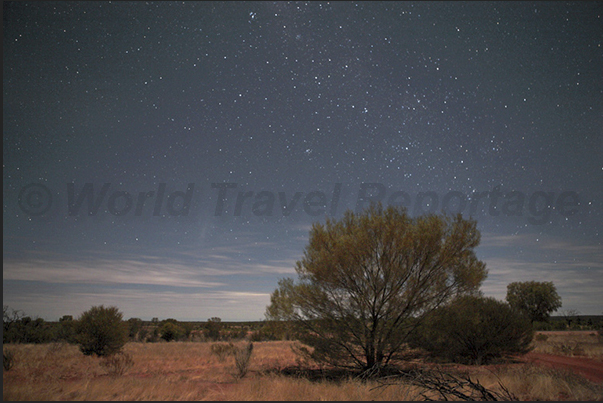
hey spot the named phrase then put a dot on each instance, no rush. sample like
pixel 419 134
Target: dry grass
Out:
pixel 276 387
pixel 189 371
pixel 569 343
pixel 531 382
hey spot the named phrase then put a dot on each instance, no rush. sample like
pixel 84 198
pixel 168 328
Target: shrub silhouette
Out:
pixel 101 331
pixel 213 328
pixel 171 331
pixel 475 330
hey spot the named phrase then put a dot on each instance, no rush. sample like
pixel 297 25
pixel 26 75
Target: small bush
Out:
pixel 221 350
pixel 55 348
pixel 541 337
pixel 117 364
pixel 568 349
pixel 213 329
pixel 8 359
pixel 242 357
pixel 171 331
pixel 101 331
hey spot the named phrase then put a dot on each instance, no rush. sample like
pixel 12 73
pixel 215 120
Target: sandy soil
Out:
pixel 589 368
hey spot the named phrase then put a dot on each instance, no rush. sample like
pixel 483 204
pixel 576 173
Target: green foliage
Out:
pixel 154 335
pixel 143 334
pixel 19 328
pixel 535 299
pixel 554 323
pixel 213 328
pixel 66 329
pixel 170 330
pixel 362 279
pixel 279 312
pixel 28 330
pixel 572 319
pixel 9 318
pixel 187 328
pixel 101 331
pixel 234 333
pixel 474 330
pixel 134 328
pixel 273 330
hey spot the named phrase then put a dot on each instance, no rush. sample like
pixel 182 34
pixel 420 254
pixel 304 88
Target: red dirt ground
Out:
pixel 589 368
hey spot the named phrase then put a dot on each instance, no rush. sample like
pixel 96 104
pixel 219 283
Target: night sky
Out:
pixel 169 158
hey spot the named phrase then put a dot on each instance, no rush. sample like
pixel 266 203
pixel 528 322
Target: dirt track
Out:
pixel 589 368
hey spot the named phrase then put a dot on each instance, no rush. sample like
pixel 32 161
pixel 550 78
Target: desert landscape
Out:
pixel 565 365
pixel 228 200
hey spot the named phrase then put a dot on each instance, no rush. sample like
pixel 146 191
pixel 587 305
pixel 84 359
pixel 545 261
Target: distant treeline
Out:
pixel 571 322
pixel 19 328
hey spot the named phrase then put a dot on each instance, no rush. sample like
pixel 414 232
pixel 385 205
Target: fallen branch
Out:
pixel 448 385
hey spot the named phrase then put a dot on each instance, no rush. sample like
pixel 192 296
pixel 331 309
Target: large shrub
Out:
pixel 365 277
pixel 475 330
pixel 101 331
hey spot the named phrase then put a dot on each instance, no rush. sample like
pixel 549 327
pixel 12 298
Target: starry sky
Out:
pixel 169 158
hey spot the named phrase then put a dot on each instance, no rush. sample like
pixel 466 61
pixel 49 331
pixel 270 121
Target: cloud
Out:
pixel 576 269
pixel 52 304
pixel 105 272
pixel 233 282
pixel 187 267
